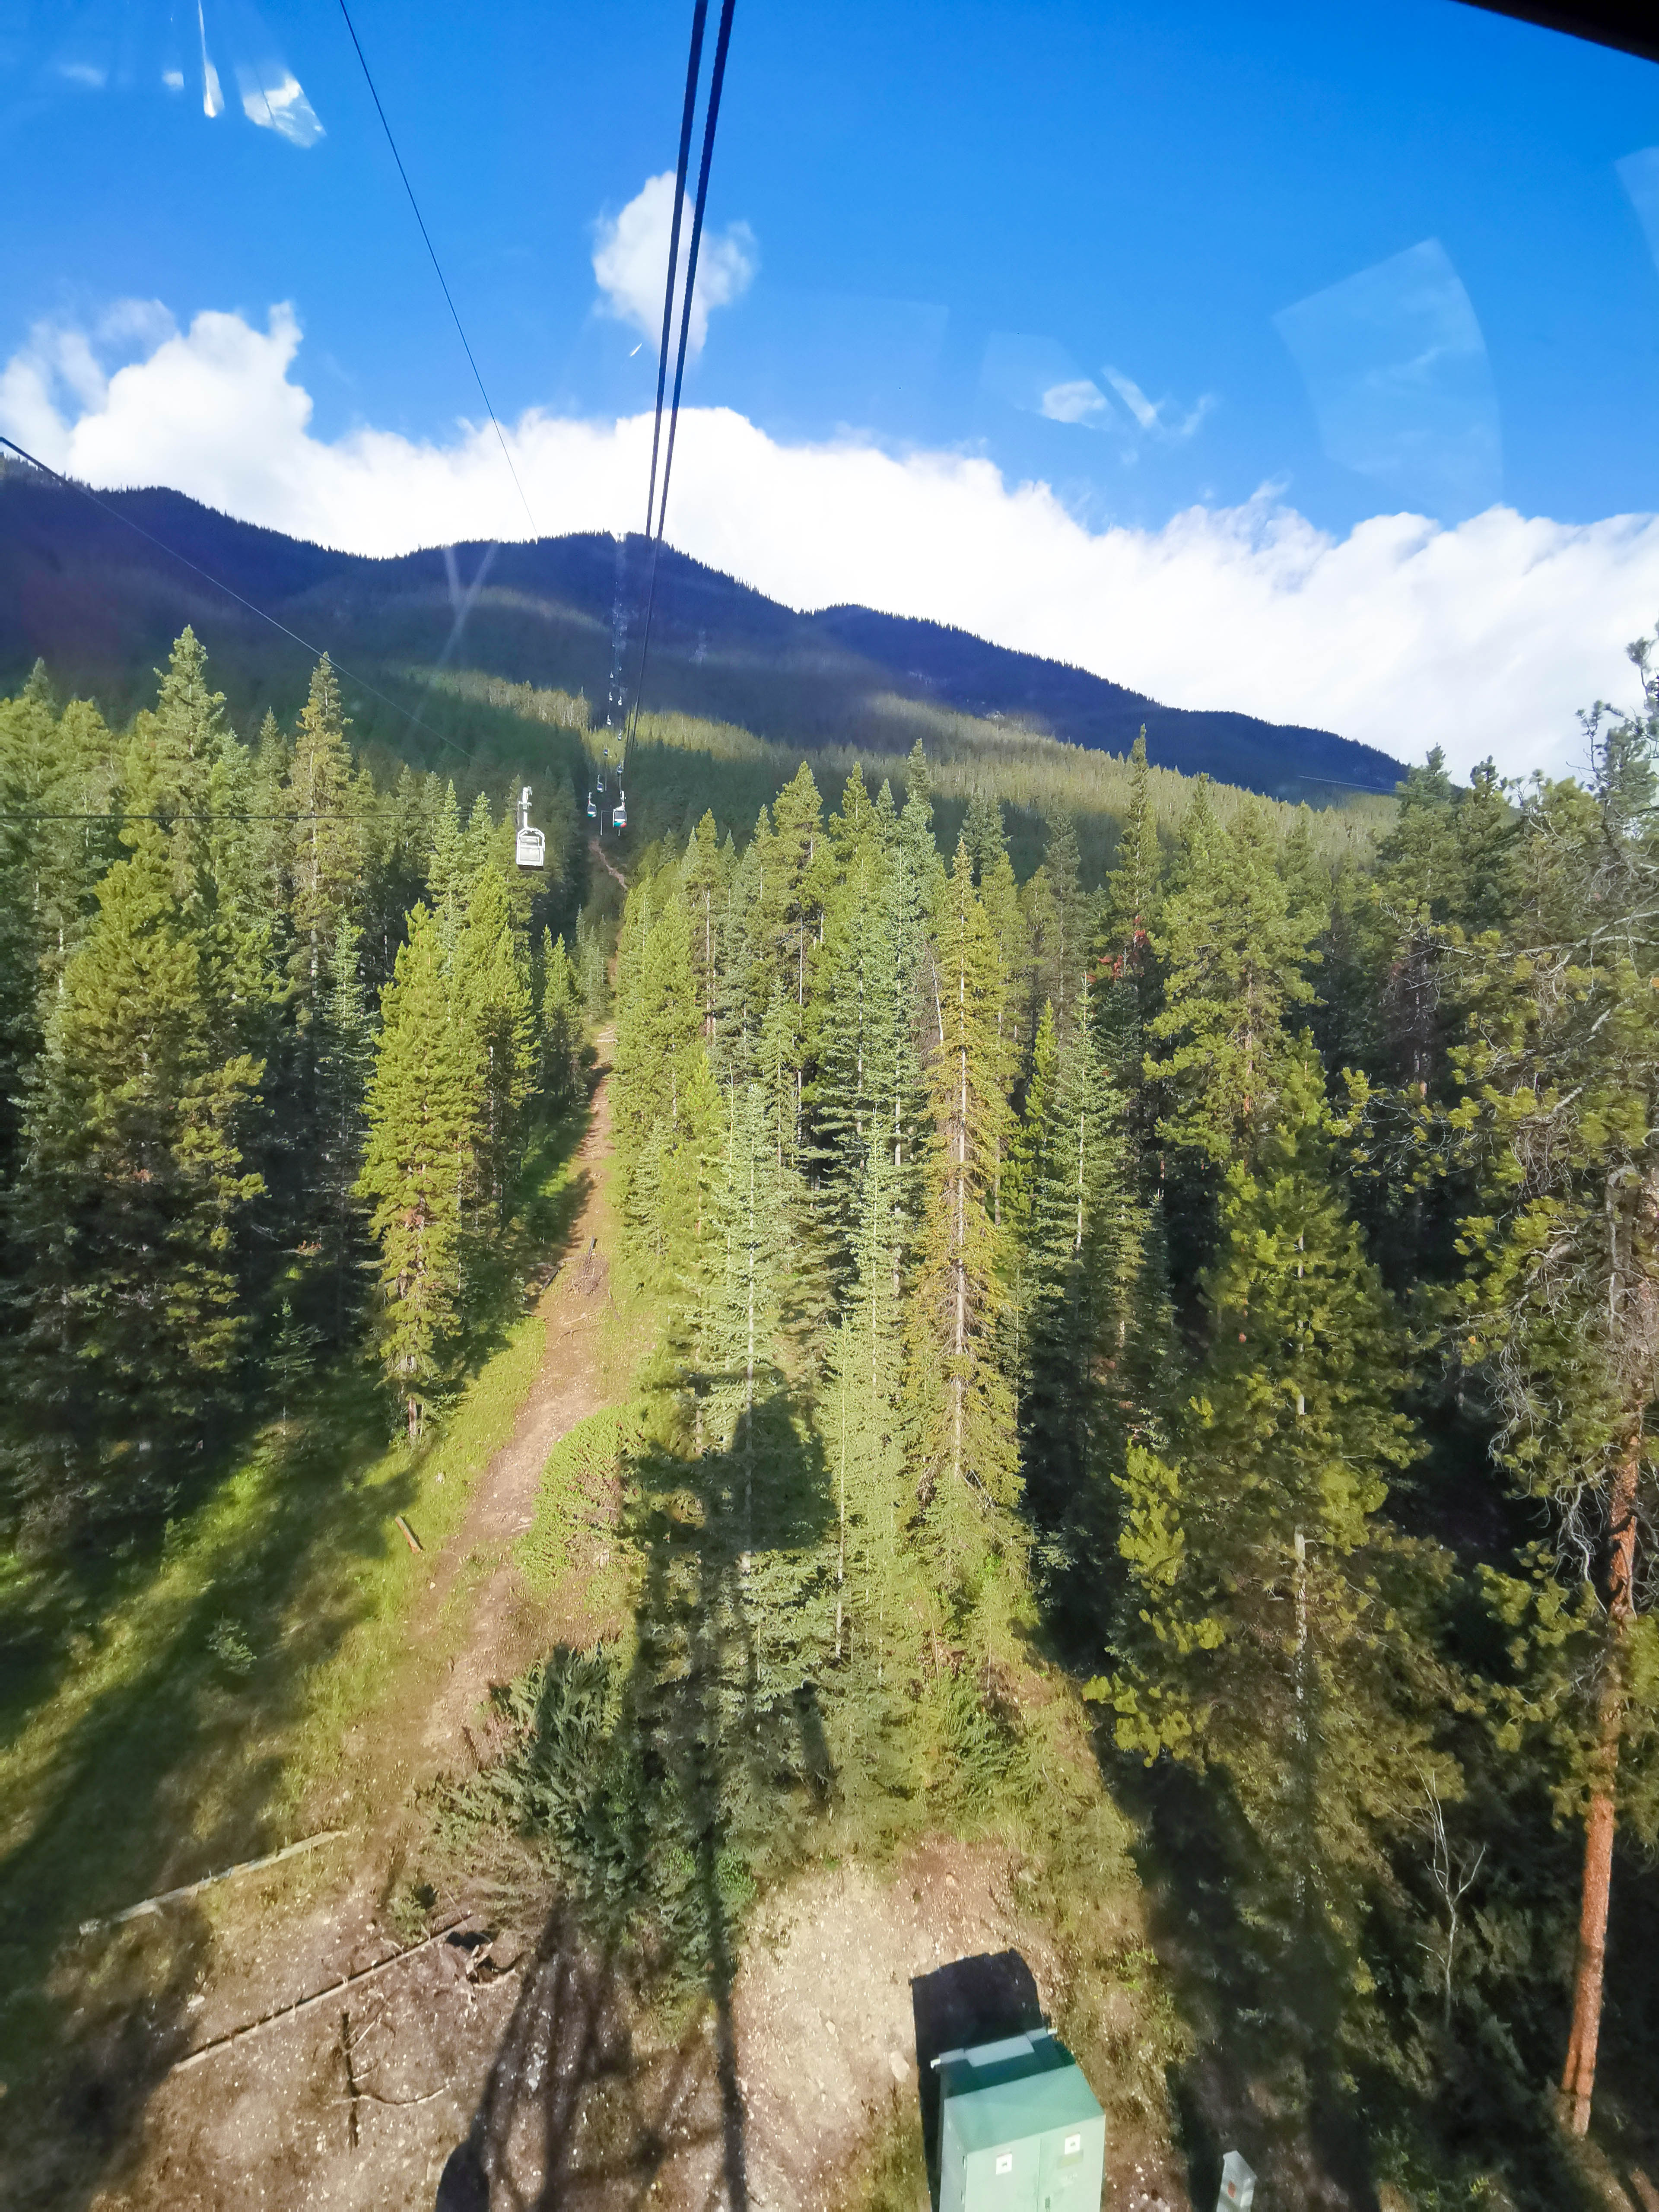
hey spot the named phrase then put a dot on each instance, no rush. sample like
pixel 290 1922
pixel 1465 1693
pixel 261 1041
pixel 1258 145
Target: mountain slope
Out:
pixel 100 603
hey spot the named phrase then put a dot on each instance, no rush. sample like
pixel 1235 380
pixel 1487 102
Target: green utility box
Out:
pixel 1020 2130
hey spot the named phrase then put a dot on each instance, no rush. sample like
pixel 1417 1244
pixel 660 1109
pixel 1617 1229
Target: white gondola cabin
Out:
pixel 619 817
pixel 530 847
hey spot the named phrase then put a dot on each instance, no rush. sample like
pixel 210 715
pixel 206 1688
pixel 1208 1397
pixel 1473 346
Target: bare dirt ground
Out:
pixel 604 860
pixel 515 2057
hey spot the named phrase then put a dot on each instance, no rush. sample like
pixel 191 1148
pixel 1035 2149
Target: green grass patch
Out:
pixel 195 1707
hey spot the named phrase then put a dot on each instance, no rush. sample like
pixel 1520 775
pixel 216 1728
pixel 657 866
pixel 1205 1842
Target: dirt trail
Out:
pixel 503 1629
pixel 265 2121
pixel 605 861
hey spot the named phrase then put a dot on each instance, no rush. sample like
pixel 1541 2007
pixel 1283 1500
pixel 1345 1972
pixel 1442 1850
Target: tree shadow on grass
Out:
pixel 659 1784
pixel 57 1605
pixel 173 1768
pixel 169 1772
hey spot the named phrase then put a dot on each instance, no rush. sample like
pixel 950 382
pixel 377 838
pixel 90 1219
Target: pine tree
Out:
pixel 328 840
pixel 490 988
pixel 1234 954
pixel 1264 1633
pixel 658 1050
pixel 592 976
pixel 786 926
pixel 848 1015
pixel 861 1425
pixel 559 1025
pixel 1135 886
pixel 132 1186
pixel 1083 1270
pixel 447 872
pixel 965 1416
pixel 1028 1172
pixel 51 763
pixel 424 1101
pixel 1056 914
pixel 706 875
pixel 344 1047
pixel 1558 1099
pixel 744 1317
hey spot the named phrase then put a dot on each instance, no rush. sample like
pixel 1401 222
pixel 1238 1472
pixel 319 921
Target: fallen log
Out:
pixel 318 1996
pixel 148 1904
pixel 409 1537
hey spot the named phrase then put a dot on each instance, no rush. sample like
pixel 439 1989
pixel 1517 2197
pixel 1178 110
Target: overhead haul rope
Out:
pixel 699 17
pixel 716 81
pixel 432 251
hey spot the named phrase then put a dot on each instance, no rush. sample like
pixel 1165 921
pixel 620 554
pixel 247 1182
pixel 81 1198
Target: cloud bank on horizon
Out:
pixel 1483 639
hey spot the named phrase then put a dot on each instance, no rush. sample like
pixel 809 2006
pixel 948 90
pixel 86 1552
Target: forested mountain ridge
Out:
pixel 101 606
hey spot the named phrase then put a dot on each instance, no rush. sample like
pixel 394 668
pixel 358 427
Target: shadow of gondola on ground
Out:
pixel 649 1780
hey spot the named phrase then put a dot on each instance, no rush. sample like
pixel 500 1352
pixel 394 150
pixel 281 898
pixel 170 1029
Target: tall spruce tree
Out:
pixel 52 763
pixel 559 1024
pixel 1233 954
pixel 132 1181
pixel 490 983
pixel 344 1050
pixel 964 1439
pixel 327 865
pixel 1264 1632
pixel 424 1100
pixel 1557 1109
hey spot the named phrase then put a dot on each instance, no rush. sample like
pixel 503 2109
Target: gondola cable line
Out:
pixel 657 510
pixel 699 18
pixel 432 251
pixel 688 119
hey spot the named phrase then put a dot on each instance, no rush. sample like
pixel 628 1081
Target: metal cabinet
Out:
pixel 1020 2130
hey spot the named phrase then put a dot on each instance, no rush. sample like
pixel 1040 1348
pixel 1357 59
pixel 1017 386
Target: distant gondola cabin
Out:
pixel 1020 2130
pixel 529 846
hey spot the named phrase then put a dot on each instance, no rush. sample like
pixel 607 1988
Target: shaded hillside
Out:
pixel 101 607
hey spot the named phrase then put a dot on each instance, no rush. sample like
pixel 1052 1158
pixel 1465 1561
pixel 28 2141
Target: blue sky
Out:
pixel 1354 263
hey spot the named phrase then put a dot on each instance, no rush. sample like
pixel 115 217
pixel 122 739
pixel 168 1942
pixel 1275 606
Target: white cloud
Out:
pixel 1074 401
pixel 630 262
pixel 174 79
pixel 1484 638
pixel 86 73
pixel 273 98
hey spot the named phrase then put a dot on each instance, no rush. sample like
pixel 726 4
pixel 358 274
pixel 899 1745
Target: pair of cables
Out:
pixel 656 511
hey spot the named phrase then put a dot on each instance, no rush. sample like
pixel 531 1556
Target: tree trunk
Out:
pixel 1578 2077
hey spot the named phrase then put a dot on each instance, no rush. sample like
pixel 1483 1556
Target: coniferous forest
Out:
pixel 1235 1279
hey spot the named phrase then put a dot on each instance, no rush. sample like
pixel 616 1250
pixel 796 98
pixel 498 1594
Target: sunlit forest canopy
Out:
pixel 1135 1280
